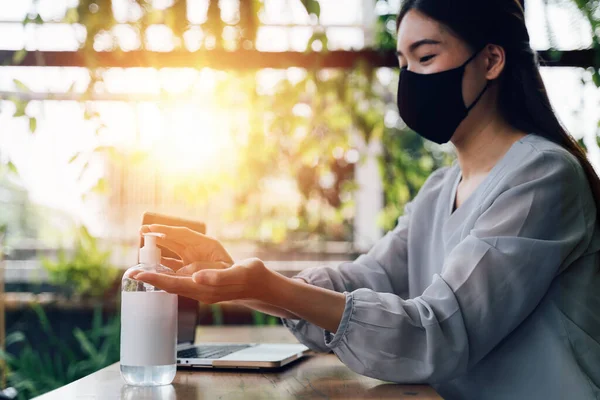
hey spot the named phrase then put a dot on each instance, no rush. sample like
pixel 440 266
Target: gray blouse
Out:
pixel 499 299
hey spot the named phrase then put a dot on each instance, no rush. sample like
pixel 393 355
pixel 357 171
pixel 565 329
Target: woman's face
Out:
pixel 425 46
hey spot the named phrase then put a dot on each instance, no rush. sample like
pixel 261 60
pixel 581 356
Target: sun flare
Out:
pixel 193 141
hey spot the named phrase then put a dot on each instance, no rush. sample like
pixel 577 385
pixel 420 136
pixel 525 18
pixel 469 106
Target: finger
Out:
pixel 234 275
pixel 184 236
pixel 171 283
pixel 185 286
pixel 172 245
pixel 199 266
pixel 179 238
pixel 179 234
pixel 173 263
pixel 176 246
pixel 134 274
pixel 238 274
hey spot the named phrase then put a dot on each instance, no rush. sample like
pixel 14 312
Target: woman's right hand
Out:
pixel 196 250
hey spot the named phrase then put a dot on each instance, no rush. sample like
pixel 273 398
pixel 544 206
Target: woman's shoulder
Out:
pixel 539 165
pixel 542 155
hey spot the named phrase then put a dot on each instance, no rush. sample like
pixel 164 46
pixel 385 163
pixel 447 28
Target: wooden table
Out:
pixel 320 376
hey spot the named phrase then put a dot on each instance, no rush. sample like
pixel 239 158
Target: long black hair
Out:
pixel 522 96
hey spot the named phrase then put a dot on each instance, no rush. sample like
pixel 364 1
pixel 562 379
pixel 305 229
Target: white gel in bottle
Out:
pixel 148 323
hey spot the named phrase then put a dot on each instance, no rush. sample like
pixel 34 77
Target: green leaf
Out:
pixel 11 360
pixel 20 110
pixel 110 150
pixel 95 333
pixel 90 114
pixel 217 314
pixel 258 318
pixel 21 86
pixel 312 7
pixel 101 187
pixel 71 16
pixel 44 322
pixel 596 78
pixel 19 56
pixel 59 366
pixel 15 337
pixel 85 343
pixel 20 106
pixel 75 156
pixel 71 87
pixel 84 168
pixel 12 168
pixel 555 55
pixel 32 124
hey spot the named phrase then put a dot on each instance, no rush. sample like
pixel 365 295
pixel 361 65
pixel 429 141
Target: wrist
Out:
pixel 274 288
pixel 317 305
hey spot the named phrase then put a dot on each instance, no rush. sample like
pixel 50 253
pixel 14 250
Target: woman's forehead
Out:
pixel 416 26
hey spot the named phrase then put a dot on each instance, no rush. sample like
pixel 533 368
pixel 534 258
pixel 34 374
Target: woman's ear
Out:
pixel 495 61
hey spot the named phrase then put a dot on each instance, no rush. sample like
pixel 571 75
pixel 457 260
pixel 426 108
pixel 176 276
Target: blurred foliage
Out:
pixel 591 10
pixel 87 272
pixel 260 319
pixel 3 229
pixel 20 216
pixel 406 163
pixel 306 126
pixel 51 363
pixel 240 32
pixel 306 133
pixel 385 32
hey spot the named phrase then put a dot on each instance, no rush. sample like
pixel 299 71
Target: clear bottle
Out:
pixel 148 323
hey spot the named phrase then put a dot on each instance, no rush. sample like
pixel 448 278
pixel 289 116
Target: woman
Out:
pixel 489 286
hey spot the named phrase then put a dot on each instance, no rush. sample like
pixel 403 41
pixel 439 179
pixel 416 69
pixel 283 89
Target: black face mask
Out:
pixel 432 104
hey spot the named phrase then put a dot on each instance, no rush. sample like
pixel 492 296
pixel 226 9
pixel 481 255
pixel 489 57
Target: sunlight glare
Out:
pixel 193 142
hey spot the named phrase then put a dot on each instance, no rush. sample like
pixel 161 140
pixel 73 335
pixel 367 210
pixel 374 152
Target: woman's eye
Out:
pixel 426 58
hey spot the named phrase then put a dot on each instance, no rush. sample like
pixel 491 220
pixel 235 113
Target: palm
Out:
pixel 212 285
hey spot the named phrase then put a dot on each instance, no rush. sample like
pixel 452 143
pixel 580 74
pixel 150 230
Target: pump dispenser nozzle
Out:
pixel 150 253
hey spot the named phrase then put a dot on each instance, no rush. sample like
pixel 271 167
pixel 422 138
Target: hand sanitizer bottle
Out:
pixel 148 323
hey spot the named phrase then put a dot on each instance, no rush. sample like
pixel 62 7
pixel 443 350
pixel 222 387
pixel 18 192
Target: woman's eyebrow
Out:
pixel 418 44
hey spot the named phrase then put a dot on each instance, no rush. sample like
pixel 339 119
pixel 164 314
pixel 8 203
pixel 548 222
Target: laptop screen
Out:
pixel 187 319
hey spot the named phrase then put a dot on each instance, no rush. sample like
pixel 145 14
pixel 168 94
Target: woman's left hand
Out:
pixel 251 280
pixel 244 280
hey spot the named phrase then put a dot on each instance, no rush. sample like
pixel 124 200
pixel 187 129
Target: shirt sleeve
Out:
pixel 490 282
pixel 382 269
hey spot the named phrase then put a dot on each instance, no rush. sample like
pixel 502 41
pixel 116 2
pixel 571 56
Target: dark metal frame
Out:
pixel 252 59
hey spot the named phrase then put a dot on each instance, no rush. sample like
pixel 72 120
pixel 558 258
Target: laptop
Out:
pixel 227 355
